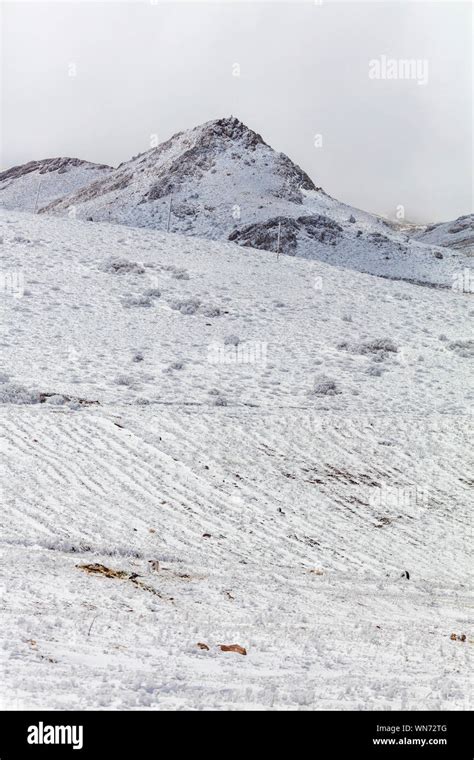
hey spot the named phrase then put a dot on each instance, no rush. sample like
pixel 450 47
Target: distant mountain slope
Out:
pixel 219 175
pixel 457 234
pixel 221 181
pixel 31 186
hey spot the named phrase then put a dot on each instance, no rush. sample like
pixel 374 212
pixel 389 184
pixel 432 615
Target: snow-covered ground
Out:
pixel 285 438
pixel 221 181
pixel 32 186
pixel 457 234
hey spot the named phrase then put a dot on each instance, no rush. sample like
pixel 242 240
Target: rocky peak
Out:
pixel 230 129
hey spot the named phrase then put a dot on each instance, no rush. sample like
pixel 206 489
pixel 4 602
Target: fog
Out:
pixel 100 80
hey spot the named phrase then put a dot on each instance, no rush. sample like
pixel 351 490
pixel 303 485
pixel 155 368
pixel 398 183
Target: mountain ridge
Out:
pixel 30 186
pixel 222 181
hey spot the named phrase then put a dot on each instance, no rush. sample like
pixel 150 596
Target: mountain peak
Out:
pixel 218 174
pixel 231 128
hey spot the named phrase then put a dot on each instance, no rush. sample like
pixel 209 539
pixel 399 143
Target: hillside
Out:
pixel 286 439
pixel 32 186
pixel 457 234
pixel 221 181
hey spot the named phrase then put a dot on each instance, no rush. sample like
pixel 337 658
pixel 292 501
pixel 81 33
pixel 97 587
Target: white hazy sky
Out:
pixel 146 68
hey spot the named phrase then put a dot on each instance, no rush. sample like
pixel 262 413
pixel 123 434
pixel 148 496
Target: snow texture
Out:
pixel 154 500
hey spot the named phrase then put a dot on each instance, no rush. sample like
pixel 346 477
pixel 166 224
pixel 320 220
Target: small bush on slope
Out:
pixel 325 386
pixel 119 265
pixel 129 302
pixel 464 348
pixel 17 394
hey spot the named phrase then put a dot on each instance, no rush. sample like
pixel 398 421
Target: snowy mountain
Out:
pixel 457 234
pixel 222 181
pixel 214 173
pixel 34 185
pixel 204 445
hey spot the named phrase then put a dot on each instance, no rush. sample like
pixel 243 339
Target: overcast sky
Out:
pixel 96 79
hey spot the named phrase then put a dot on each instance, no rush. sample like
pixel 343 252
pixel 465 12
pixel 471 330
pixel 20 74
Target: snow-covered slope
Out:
pixel 222 181
pixel 32 186
pixel 214 173
pixel 457 234
pixel 284 437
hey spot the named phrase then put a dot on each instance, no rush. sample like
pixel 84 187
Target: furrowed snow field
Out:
pixel 285 438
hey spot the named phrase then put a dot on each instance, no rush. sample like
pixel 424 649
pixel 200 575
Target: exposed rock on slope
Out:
pixel 284 233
